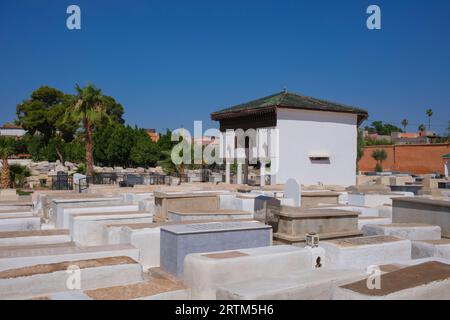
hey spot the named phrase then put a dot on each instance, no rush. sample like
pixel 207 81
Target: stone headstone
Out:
pixel 292 190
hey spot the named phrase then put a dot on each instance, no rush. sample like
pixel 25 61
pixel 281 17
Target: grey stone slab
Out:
pixel 177 241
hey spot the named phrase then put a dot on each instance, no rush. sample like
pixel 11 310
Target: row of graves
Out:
pixel 274 242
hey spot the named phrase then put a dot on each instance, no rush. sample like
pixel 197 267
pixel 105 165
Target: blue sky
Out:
pixel 172 62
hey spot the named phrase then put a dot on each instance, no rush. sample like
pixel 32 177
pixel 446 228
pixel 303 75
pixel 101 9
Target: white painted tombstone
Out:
pixel 292 190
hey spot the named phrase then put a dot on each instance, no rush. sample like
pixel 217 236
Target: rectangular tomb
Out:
pixel 422 210
pixel 19 223
pixel 87 229
pixel 211 214
pixel 166 201
pixel 410 231
pixel 177 241
pixel 426 281
pixel 359 253
pixel 294 223
pixel 33 237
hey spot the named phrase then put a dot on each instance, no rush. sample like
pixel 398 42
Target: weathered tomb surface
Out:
pixel 87 229
pixel 23 256
pixel 422 210
pixel 316 198
pixel 303 285
pixel 33 237
pixel 211 214
pixel 410 231
pixel 154 289
pixel 374 199
pixel 166 201
pixel 21 204
pixel 362 252
pixel 431 248
pixel 363 211
pixel 19 223
pixel 145 237
pixel 63 215
pixel 8 195
pixel 265 209
pixel 204 273
pixel 295 223
pixel 425 281
pixel 177 241
pixel 363 221
pixel 42 279
pixel 18 213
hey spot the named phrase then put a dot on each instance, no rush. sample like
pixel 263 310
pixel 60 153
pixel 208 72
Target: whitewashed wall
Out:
pixel 304 132
pixel 12 132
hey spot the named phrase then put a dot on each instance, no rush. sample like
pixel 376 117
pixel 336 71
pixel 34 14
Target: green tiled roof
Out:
pixel 446 156
pixel 289 100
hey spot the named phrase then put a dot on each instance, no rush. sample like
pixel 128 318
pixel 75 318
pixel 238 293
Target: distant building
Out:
pixel 316 138
pixel 12 130
pixel 153 134
pixel 421 137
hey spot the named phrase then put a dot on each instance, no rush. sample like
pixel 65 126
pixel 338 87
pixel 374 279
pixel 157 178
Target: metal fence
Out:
pixel 62 181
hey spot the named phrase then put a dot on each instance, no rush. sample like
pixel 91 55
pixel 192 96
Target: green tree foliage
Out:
pixel 383 129
pixel 429 113
pixel 379 155
pixel 18 175
pixel 119 145
pixel 422 128
pixel 405 123
pixel 43 115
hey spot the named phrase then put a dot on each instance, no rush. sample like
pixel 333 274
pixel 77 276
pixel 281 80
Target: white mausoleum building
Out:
pixel 305 138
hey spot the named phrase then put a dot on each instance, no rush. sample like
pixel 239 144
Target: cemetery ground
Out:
pixel 209 240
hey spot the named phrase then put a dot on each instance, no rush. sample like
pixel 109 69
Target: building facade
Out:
pixel 11 130
pixel 309 139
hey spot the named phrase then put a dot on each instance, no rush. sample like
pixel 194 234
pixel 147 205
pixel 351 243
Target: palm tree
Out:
pixel 405 124
pixel 429 114
pixel 379 155
pixel 88 110
pixel 422 128
pixel 6 149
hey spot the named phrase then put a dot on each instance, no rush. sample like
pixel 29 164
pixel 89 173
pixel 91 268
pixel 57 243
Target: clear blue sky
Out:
pixel 172 62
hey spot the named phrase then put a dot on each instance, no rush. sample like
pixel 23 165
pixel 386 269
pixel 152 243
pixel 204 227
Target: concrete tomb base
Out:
pixel 8 195
pixel 87 229
pixel 18 257
pixel 431 248
pixel 374 199
pixel 427 281
pixel 38 237
pixel 218 214
pixel 64 214
pixel 422 210
pixel 19 223
pixel 165 201
pixel 177 241
pixel 363 221
pixel 295 223
pixel 37 280
pixel 362 252
pixel 155 289
pixel 206 272
pixel 410 231
pixel 305 285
